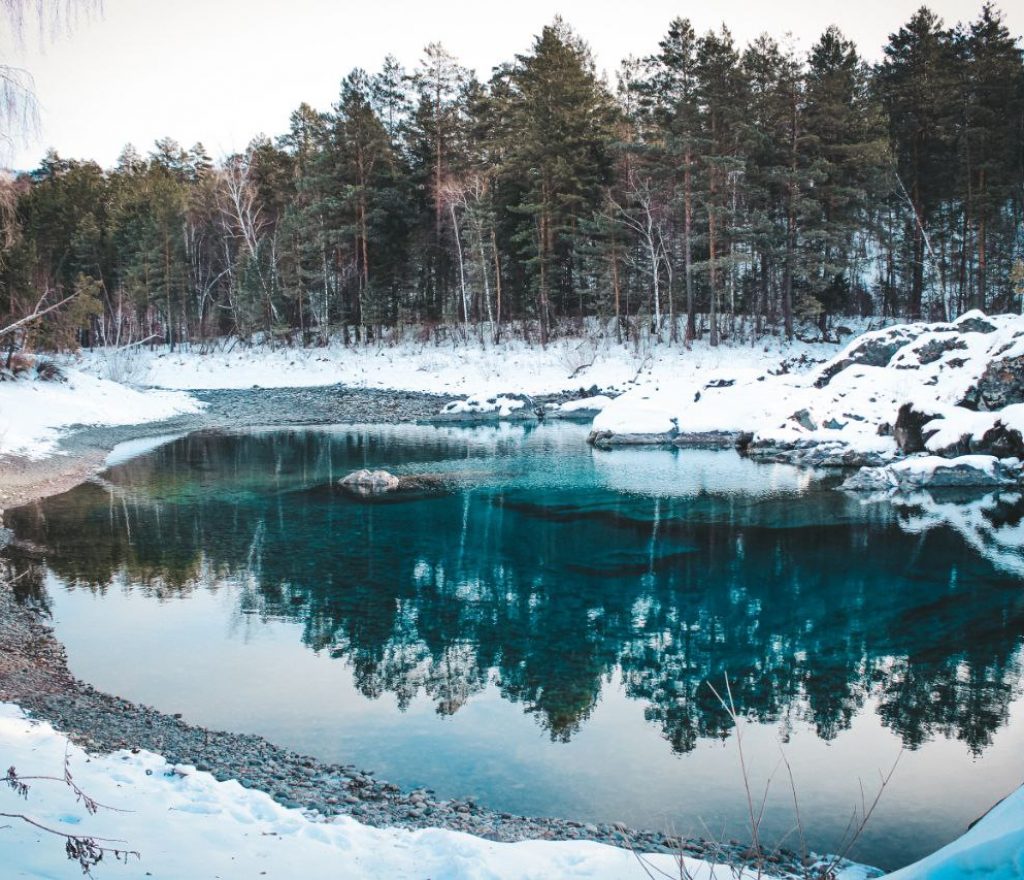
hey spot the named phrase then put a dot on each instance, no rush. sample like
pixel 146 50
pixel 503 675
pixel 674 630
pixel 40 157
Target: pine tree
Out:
pixel 915 81
pixel 562 116
pixel 722 94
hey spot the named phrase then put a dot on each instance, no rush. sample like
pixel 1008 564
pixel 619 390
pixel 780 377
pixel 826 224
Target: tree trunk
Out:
pixel 691 318
pixel 497 286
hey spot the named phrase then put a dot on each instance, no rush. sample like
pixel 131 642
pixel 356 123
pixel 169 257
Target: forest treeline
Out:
pixel 711 181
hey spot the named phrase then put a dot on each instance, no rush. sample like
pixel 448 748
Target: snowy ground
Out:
pixel 185 824
pixel 454 369
pixel 120 388
pixel 33 412
pixel 851 402
pixel 855 401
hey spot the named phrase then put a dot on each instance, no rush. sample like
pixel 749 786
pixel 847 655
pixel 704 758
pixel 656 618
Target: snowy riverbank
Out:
pixel 34 413
pixel 143 385
pixel 186 824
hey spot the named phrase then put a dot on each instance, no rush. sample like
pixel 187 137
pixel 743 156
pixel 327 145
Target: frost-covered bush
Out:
pixel 126 366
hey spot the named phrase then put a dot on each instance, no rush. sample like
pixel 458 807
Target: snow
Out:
pixel 596 403
pixel 458 369
pixel 479 404
pixel 969 472
pixel 658 388
pixel 992 850
pixel 33 411
pixel 184 823
pixel 740 393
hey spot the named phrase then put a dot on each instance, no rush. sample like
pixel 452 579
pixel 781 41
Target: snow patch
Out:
pixel 33 412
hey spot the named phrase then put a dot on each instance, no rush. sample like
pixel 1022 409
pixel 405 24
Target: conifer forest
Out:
pixel 706 187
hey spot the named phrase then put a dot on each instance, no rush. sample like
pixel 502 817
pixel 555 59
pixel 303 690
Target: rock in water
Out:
pixel 366 482
pixel 933 472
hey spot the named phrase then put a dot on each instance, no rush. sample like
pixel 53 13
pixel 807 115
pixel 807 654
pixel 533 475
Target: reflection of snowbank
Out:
pixel 133 448
pixel 993 524
pixel 691 472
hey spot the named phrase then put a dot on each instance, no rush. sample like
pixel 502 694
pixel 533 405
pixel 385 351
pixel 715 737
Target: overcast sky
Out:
pixel 220 71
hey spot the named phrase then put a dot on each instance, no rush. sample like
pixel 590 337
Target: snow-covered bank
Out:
pixel 186 824
pixel 464 369
pixel 946 388
pixel 993 849
pixel 33 411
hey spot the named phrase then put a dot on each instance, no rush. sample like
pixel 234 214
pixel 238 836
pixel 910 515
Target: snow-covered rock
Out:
pixel 959 386
pixel 479 406
pixel 583 408
pixel 366 482
pixel 935 472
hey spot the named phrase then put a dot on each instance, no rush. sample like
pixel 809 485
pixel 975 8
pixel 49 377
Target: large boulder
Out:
pixel 1001 384
pixel 367 483
pixel 874 350
pixel 934 349
pixel 1001 441
pixel 908 432
pixel 974 322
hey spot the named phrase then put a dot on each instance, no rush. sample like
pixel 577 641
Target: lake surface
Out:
pixel 543 635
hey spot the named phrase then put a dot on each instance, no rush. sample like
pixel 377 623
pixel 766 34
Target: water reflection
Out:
pixel 547 568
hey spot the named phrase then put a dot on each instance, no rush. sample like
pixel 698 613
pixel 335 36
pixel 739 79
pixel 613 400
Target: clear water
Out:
pixel 542 636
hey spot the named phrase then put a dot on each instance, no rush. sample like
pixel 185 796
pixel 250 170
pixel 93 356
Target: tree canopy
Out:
pixel 713 186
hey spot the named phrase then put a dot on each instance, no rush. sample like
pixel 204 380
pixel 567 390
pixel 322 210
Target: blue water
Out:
pixel 543 632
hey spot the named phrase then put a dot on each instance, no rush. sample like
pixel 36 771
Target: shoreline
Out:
pixel 83 449
pixel 35 676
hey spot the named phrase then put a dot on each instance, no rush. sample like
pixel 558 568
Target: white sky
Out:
pixel 221 71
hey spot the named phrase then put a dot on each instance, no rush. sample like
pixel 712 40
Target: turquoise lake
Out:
pixel 542 634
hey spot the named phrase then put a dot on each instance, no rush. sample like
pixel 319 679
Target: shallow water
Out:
pixel 543 633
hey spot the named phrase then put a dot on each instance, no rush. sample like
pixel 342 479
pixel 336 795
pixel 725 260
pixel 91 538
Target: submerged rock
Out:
pixel 373 484
pixel 366 482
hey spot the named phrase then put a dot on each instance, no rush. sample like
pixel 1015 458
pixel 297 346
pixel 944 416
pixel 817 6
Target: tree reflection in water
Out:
pixel 538 571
